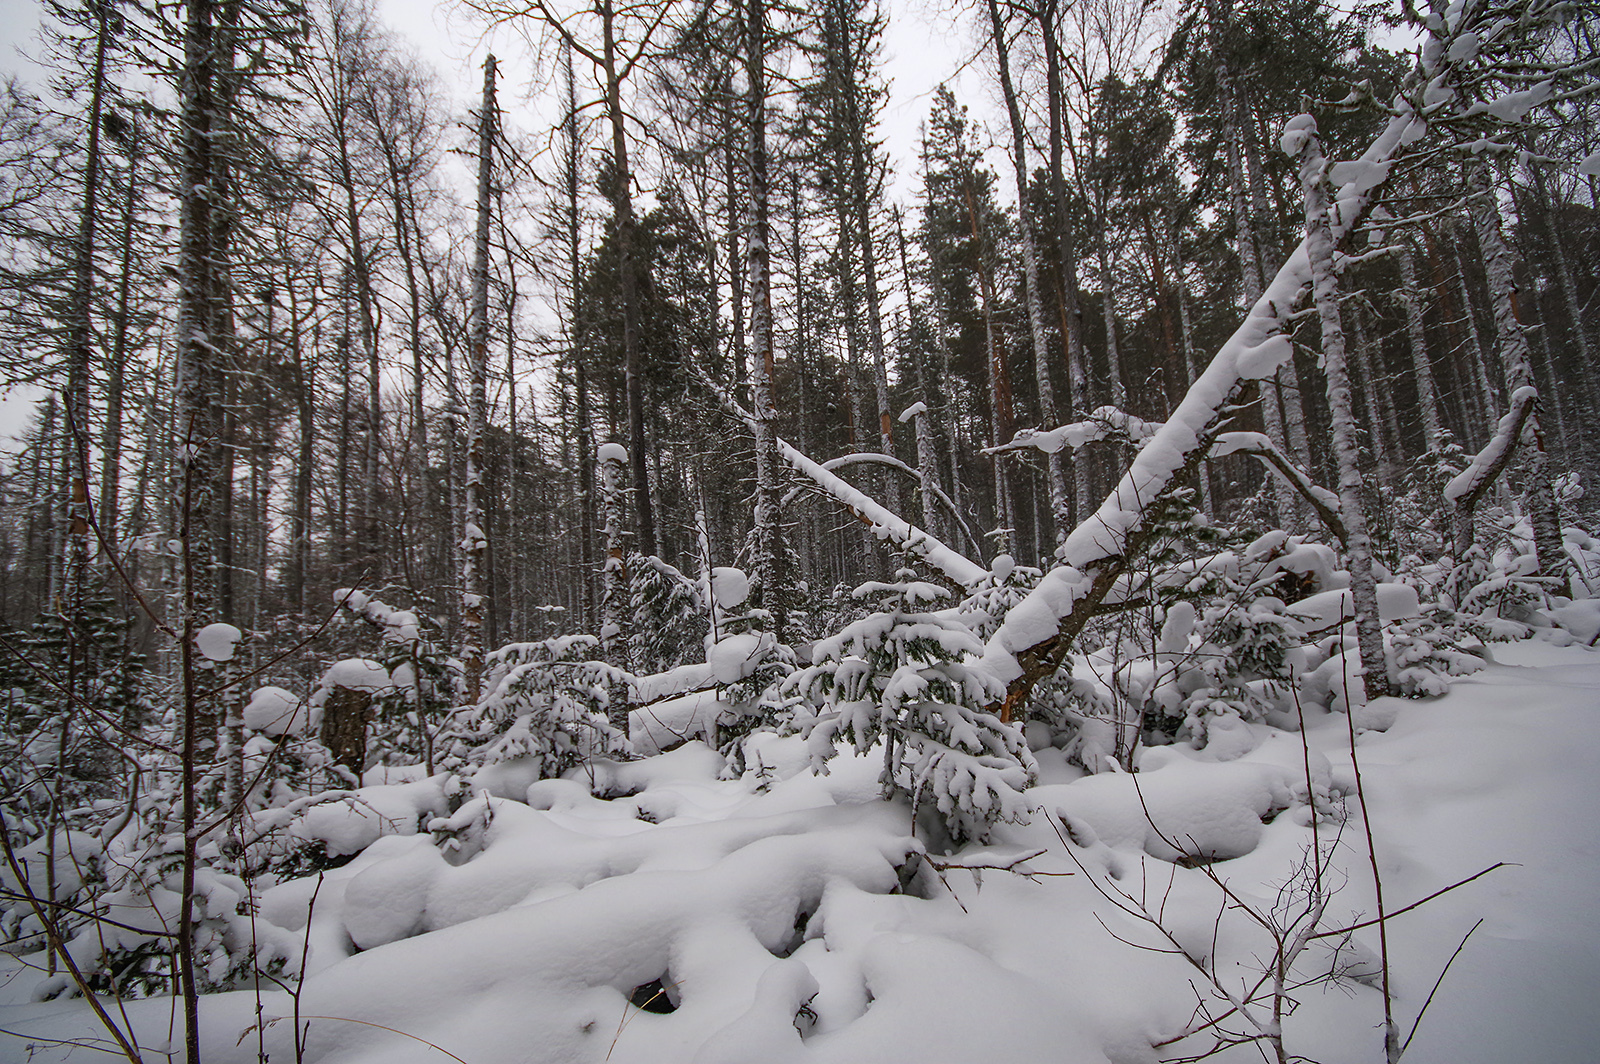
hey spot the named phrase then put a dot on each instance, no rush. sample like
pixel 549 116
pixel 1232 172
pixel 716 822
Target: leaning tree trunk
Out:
pixel 1035 638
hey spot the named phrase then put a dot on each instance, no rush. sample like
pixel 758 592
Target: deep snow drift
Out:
pixel 784 916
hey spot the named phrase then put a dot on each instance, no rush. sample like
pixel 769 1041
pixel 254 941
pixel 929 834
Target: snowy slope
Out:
pixel 786 918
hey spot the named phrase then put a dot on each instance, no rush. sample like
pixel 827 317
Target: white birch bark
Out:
pixel 758 260
pixel 1037 633
pixel 614 577
pixel 1056 471
pixel 1422 367
pixel 1466 489
pixel 474 542
pixel 1300 140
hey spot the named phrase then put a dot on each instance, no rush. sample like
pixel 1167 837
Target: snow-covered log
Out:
pixel 885 524
pixel 934 492
pixel 1104 423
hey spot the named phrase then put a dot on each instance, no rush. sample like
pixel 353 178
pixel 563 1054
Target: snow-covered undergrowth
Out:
pixel 656 912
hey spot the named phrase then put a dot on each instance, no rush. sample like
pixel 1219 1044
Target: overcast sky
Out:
pixel 925 45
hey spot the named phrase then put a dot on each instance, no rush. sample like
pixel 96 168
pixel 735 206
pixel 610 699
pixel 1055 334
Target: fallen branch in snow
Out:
pixel 270 1021
pixel 1009 866
pixel 1438 983
pixel 1337 931
pixel 977 869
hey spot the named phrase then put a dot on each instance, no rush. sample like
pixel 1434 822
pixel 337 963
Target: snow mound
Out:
pixel 276 712
pixel 352 822
pixel 1324 610
pixel 1183 809
pixel 659 912
pixel 358 674
pixel 730 587
pixel 216 642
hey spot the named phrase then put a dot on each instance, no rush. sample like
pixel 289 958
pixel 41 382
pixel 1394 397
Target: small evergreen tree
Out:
pixel 900 677
pixel 546 701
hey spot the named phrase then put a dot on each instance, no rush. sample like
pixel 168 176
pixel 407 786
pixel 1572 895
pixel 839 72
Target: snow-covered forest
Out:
pixel 638 572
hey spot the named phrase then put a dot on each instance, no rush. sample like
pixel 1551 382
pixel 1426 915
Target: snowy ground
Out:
pixel 783 922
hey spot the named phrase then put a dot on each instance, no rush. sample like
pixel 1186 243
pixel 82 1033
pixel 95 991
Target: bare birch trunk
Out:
pixel 1059 506
pixel 614 577
pixel 1514 355
pixel 474 542
pixel 758 254
pixel 1427 390
pixel 1346 450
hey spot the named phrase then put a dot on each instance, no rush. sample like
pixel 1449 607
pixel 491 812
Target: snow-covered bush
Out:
pixel 1425 651
pixel 1495 590
pixel 545 701
pixel 900 678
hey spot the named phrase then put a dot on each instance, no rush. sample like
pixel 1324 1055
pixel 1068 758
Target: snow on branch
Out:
pixel 1108 422
pixel 885 524
pixel 1323 502
pixel 1104 423
pixel 874 458
pixel 1467 486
